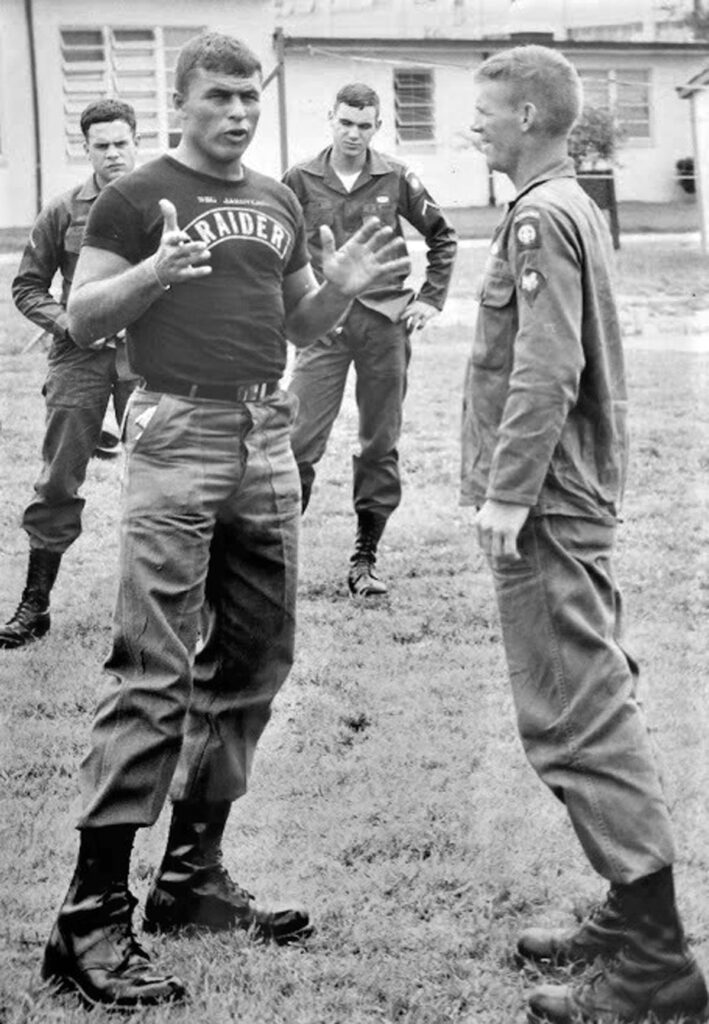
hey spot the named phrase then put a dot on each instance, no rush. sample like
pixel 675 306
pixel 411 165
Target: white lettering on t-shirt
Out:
pixel 225 224
pixel 247 223
pixel 205 232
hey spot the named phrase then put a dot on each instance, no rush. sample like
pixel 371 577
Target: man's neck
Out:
pixel 533 163
pixel 233 171
pixel 342 164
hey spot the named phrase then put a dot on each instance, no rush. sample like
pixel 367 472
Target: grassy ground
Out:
pixel 390 792
pixel 479 221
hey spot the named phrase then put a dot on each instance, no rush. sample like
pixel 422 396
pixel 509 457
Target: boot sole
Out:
pixel 695 1017
pixel 13 643
pixel 56 974
pixel 193 927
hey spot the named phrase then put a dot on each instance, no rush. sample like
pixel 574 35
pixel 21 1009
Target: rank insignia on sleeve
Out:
pixel 527 233
pixel 530 284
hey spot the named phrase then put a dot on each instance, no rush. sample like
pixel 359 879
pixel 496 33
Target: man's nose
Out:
pixel 237 108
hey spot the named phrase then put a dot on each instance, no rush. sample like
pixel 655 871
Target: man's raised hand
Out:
pixel 178 258
pixel 368 258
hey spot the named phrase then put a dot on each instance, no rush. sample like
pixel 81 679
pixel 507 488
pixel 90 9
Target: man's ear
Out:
pixel 529 116
pixel 177 100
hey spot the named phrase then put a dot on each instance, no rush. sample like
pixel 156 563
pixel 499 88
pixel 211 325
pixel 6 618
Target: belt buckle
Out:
pixel 251 392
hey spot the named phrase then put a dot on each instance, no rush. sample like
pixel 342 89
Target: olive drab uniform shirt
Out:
pixel 385 189
pixel 544 420
pixel 54 245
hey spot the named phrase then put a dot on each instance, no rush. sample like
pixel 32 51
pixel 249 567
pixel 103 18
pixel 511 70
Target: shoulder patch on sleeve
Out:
pixel 527 230
pixel 531 283
pixel 414 181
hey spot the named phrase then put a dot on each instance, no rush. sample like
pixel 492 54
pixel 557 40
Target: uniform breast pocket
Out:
pixel 497 323
pixel 318 212
pixel 72 238
pixel 384 209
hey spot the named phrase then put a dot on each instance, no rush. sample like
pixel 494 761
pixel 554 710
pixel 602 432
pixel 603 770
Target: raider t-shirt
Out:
pixel 227 327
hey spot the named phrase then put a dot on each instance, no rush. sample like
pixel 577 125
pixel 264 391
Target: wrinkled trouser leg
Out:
pixel 196 465
pixel 318 382
pixel 574 691
pixel 77 394
pixel 382 356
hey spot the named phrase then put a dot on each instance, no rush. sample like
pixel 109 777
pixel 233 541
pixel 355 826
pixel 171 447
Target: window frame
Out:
pixel 612 82
pixel 428 100
pixel 113 73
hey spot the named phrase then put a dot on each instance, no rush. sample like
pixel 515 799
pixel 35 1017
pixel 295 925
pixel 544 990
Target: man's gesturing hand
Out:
pixel 178 258
pixel 368 258
pixel 498 524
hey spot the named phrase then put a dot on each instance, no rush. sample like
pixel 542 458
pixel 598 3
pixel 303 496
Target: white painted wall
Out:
pixel 457 176
pixel 250 20
pixel 17 159
pixel 700 114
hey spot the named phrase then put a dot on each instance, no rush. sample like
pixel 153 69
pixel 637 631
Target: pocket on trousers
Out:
pixel 142 421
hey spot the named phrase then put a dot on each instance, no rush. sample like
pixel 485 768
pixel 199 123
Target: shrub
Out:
pixel 595 139
pixel 685 174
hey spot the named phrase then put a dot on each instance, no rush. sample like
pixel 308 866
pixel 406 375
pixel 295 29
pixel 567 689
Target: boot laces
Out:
pixel 120 904
pixel 27 610
pixel 222 878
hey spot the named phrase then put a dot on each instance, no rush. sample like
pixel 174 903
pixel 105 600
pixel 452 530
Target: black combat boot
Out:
pixel 362 578
pixel 92 949
pixel 31 620
pixel 193 889
pixel 653 974
pixel 600 934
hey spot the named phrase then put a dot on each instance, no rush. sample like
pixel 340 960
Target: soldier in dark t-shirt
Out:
pixel 210 510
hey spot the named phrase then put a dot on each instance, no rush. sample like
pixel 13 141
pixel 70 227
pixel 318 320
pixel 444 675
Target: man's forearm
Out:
pixel 316 313
pixel 99 309
pixel 38 305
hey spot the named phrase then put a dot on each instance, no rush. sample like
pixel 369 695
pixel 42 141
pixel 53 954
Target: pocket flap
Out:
pixel 497 291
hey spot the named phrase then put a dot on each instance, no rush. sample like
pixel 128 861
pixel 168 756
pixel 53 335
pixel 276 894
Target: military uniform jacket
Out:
pixel 545 402
pixel 386 189
pixel 54 245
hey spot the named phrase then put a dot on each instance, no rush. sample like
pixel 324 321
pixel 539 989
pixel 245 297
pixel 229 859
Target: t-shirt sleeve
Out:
pixel 114 225
pixel 299 256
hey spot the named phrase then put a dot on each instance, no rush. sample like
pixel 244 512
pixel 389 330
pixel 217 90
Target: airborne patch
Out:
pixel 531 284
pixel 527 232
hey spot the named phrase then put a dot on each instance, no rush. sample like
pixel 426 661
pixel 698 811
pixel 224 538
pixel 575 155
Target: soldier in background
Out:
pixel 341 187
pixel 80 382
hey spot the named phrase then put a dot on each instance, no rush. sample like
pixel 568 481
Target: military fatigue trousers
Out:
pixel 574 689
pixel 211 506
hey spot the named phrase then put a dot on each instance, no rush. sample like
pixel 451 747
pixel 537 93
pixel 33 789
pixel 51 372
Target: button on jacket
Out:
pixel 545 402
pixel 386 189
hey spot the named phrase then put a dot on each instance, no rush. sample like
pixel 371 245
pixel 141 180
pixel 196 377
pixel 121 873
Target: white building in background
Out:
pixel 427 98
pixel 619 20
pixel 56 55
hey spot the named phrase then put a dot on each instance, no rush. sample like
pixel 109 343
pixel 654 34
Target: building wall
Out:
pixel 454 172
pixel 250 20
pixel 17 156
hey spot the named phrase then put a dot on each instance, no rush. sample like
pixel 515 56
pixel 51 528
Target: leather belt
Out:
pixel 218 392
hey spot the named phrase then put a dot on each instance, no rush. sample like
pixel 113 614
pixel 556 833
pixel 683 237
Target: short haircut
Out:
pixel 101 111
pixel 359 95
pixel 214 51
pixel 542 76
